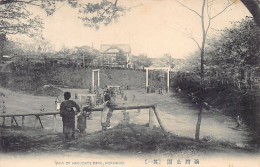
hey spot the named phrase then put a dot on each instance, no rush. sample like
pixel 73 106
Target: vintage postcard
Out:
pixel 129 83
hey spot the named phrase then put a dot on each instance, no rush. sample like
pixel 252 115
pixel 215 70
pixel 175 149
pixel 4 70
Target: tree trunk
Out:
pixel 254 8
pixel 197 134
pixel 202 53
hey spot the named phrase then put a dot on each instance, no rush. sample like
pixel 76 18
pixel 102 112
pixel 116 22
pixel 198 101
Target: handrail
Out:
pixel 92 109
pixel 152 111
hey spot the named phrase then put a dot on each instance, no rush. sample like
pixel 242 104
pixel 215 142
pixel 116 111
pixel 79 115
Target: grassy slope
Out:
pixel 74 78
pixel 133 139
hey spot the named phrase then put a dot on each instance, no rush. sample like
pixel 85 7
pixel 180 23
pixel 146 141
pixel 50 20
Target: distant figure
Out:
pixel 107 111
pixel 42 108
pixel 57 103
pixel 133 98
pixel 239 121
pixel 126 118
pixel 76 95
pixel 68 115
pixel 125 98
pixel 148 89
pixel 4 108
pixel 179 90
pixel 160 91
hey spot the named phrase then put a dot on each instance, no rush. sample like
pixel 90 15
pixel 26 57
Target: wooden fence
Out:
pixel 152 112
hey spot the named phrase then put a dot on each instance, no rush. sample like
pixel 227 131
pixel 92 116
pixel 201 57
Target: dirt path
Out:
pixel 178 117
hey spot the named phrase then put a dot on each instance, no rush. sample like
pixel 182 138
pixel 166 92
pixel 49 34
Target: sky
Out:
pixel 153 27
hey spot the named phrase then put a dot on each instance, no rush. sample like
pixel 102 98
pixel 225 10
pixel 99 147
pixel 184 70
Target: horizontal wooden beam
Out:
pixel 157 68
pixel 93 109
pixel 95 70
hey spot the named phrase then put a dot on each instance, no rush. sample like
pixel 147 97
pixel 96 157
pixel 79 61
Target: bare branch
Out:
pixel 207 29
pixel 209 7
pixel 228 5
pixel 191 37
pixel 188 8
pixel 128 9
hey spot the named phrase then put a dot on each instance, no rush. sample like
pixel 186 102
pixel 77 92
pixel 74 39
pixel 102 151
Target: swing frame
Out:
pixel 164 69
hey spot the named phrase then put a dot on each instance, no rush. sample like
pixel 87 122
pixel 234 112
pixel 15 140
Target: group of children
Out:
pixel 69 109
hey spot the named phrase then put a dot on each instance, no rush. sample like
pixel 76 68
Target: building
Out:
pixel 116 55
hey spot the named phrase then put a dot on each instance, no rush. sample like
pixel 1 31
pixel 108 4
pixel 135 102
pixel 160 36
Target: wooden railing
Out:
pixel 152 112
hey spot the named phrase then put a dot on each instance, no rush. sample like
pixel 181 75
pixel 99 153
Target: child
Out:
pixel 68 115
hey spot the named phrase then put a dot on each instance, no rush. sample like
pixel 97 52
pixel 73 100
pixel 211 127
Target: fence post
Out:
pixel 3 121
pixel 54 122
pixel 151 115
pixel 22 121
pixel 35 122
pixel 12 122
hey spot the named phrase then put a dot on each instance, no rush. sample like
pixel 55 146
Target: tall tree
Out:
pixel 254 8
pixel 206 18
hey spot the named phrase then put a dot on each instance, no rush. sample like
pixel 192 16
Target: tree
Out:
pixel 141 61
pixel 234 57
pixel 121 58
pixel 203 15
pixel 17 18
pixel 254 8
pixel 166 61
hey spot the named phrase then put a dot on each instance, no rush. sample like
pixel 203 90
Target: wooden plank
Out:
pixel 37 115
pixel 40 121
pixel 159 121
pixel 157 68
pixel 15 121
pixel 94 109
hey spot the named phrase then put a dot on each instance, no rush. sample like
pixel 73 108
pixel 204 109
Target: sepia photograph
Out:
pixel 130 83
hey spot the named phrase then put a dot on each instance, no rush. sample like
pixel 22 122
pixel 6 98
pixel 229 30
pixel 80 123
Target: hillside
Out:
pixel 29 80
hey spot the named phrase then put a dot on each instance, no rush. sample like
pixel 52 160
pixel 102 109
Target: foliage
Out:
pixel 141 61
pixel 231 73
pixel 165 61
pixel 121 58
pixel 16 18
pixel 235 57
pixel 104 12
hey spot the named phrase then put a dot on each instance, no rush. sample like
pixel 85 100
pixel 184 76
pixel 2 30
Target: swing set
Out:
pixel 163 69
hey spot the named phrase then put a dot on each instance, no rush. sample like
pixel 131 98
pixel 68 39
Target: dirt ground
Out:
pixel 178 117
